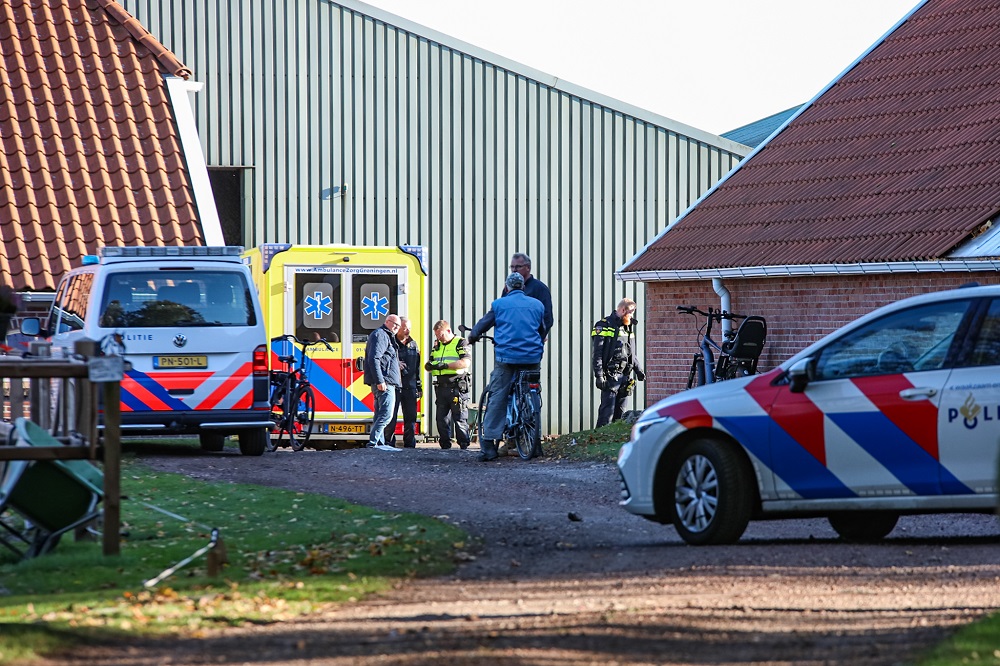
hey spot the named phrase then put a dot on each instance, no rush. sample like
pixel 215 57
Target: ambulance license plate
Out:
pixel 356 428
pixel 186 362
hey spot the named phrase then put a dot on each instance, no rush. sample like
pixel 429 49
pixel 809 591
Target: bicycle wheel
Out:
pixel 535 423
pixel 481 416
pixel 302 417
pixel 278 416
pixel 523 429
pixel 697 371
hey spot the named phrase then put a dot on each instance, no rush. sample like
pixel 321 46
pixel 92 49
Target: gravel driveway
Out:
pixel 604 587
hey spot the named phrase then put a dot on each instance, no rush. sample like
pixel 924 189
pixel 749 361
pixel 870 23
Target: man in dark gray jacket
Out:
pixel 382 374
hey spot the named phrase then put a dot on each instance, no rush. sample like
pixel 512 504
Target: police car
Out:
pixel 896 413
pixel 188 321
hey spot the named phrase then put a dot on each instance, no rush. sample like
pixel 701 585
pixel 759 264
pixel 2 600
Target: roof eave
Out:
pixel 809 270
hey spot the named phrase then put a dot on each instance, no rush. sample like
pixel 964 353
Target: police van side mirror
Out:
pixel 31 326
pixel 799 375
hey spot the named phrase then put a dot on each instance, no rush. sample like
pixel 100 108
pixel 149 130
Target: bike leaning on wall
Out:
pixel 736 356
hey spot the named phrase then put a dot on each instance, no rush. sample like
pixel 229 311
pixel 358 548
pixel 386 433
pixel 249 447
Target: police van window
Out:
pixel 986 350
pixel 70 306
pixel 375 298
pixel 159 299
pixel 318 306
pixel 913 340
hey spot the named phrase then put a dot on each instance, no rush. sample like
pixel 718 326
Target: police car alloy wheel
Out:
pixel 713 492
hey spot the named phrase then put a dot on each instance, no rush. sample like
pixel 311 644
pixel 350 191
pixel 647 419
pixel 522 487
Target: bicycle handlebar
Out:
pixel 465 329
pixel 303 343
pixel 717 315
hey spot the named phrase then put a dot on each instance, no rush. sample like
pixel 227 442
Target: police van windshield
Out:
pixel 159 299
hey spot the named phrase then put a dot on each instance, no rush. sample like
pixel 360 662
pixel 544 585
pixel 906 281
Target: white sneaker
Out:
pixel 386 447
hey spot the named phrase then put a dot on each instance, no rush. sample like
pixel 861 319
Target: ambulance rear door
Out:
pixel 343 305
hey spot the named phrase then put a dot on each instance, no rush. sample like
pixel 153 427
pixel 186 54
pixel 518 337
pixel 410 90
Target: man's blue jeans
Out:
pixel 385 401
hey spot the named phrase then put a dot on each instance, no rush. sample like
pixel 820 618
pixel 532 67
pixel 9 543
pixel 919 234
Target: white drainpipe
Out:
pixel 724 302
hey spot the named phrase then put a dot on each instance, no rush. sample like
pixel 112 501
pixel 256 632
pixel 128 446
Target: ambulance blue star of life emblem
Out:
pixel 375 306
pixel 318 305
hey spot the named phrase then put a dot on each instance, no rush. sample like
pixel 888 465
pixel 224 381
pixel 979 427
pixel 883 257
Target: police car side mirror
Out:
pixel 31 326
pixel 799 375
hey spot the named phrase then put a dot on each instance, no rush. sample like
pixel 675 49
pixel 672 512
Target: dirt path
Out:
pixel 609 588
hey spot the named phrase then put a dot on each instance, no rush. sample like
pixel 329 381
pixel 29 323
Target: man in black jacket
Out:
pixel 521 263
pixel 382 374
pixel 411 389
pixel 614 359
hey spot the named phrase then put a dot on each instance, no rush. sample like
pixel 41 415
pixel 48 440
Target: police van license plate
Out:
pixel 187 362
pixel 354 428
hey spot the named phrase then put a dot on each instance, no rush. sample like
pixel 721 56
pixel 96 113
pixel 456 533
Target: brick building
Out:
pixel 885 185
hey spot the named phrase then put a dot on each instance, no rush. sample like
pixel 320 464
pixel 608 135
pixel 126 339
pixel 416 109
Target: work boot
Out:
pixel 489 450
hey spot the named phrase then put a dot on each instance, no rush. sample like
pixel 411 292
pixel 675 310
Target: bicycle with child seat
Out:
pixel 293 401
pixel 737 355
pixel 523 427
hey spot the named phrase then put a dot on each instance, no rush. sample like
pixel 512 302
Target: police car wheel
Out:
pixel 253 442
pixel 713 492
pixel 863 526
pixel 211 441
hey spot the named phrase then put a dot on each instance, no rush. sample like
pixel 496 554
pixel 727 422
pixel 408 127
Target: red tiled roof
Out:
pixel 89 150
pixel 899 160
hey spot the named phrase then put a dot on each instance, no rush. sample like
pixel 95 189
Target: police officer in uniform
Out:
pixel 614 360
pixel 449 363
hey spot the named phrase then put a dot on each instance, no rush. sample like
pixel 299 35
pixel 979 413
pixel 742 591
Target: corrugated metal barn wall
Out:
pixel 439 146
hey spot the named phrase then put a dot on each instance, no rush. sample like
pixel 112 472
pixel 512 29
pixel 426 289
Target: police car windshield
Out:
pixel 167 299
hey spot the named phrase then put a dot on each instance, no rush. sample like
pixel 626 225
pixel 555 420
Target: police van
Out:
pixel 191 328
pixel 340 293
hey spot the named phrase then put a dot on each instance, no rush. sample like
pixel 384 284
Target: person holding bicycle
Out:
pixel 518 345
pixel 382 374
pixel 614 360
pixel 449 363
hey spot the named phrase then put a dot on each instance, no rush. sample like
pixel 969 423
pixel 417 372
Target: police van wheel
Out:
pixel 211 441
pixel 713 493
pixel 253 442
pixel 863 526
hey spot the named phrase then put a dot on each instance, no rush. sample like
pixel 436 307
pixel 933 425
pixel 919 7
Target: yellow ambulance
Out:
pixel 340 293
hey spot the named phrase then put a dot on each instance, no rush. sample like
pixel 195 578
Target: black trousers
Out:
pixel 613 399
pixel 451 409
pixel 406 397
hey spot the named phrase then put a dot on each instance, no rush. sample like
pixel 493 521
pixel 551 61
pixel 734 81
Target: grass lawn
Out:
pixel 601 444
pixel 289 554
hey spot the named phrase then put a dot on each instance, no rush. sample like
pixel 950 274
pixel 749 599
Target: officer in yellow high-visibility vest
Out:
pixel 449 363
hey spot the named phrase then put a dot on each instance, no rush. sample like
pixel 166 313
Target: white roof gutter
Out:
pixel 966 266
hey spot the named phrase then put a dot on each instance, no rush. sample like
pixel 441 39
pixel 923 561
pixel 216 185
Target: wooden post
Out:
pixel 85 399
pixel 112 467
pixel 41 388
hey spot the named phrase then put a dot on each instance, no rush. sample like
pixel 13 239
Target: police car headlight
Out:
pixel 642 425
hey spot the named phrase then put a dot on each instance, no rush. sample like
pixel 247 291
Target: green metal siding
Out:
pixel 440 144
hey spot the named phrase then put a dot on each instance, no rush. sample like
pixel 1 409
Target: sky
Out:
pixel 713 64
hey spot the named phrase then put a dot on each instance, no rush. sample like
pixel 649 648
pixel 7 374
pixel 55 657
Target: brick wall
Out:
pixel 799 311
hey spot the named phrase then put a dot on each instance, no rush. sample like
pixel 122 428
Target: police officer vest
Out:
pixel 447 352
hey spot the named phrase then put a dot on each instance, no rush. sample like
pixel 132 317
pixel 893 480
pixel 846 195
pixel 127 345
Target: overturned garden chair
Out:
pixel 51 497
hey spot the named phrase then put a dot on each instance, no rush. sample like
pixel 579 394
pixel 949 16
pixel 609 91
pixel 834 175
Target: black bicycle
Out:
pixel 737 355
pixel 293 402
pixel 523 427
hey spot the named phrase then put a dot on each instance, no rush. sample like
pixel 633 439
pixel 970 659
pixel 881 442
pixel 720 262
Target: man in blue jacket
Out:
pixel 520 328
pixel 382 375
